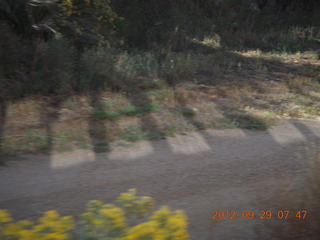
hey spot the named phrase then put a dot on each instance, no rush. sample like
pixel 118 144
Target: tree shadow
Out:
pixel 3 111
pixel 148 124
pixel 49 115
pixel 96 128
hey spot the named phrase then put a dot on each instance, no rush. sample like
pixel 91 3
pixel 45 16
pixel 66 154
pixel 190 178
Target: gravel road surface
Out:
pixel 201 172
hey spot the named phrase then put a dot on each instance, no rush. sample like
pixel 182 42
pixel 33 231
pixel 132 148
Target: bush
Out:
pixel 55 68
pixel 102 115
pixel 134 134
pixel 102 221
pixel 96 70
pixel 144 108
pixel 254 122
pixel 149 107
pixel 186 112
pixel 179 65
pixel 130 110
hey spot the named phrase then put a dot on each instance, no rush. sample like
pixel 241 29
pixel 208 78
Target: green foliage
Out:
pixel 32 141
pixel 143 108
pixel 54 73
pixel 134 206
pixel 32 68
pixel 87 22
pixel 316 79
pixel 254 122
pixel 148 107
pixel 157 24
pixel 141 64
pixel 130 110
pixel 51 226
pixel 96 70
pixel 102 221
pixel 134 134
pixel 102 115
pixel 179 65
pixel 14 13
pixel 186 112
pixel 173 26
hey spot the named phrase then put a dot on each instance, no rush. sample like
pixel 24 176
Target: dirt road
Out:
pixel 228 170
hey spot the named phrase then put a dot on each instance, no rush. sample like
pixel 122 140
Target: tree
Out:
pixel 86 22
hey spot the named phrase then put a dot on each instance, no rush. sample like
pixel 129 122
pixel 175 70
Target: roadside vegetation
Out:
pixel 123 75
pixel 128 219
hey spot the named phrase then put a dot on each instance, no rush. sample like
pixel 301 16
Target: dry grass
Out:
pixel 228 89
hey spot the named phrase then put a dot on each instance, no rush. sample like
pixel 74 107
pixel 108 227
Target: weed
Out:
pixel 134 134
pixel 149 107
pixel 102 115
pixel 169 132
pixel 269 114
pixel 163 94
pixel 135 65
pixel 177 66
pixel 200 125
pixel 70 104
pixel 255 122
pixel 33 141
pixel 191 127
pixel 316 79
pixel 130 110
pixel 186 112
pixel 223 123
pixel 302 106
pixel 83 146
pixel 144 108
pixel 63 141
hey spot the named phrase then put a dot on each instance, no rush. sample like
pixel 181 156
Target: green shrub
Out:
pixel 179 65
pixel 186 112
pixel 102 115
pixel 134 134
pixel 137 64
pixel 130 110
pixel 149 107
pixel 53 72
pixel 96 70
pixel 102 221
pixel 254 122
pixel 143 108
pixel 31 141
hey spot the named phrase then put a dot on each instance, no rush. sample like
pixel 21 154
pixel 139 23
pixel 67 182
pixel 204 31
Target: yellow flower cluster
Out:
pixel 135 205
pixel 50 227
pixel 163 225
pixel 102 221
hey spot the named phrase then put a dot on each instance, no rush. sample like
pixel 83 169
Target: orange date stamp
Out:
pixel 280 214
